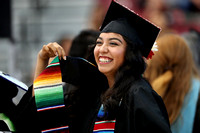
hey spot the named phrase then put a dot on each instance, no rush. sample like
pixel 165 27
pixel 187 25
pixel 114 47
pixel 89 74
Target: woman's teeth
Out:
pixel 104 60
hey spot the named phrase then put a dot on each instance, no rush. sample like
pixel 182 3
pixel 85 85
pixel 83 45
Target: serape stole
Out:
pixel 103 126
pixel 50 100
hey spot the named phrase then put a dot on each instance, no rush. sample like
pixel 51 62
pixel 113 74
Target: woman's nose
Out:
pixel 104 48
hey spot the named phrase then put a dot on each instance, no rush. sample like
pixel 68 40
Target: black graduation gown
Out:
pixel 141 110
pixel 3 126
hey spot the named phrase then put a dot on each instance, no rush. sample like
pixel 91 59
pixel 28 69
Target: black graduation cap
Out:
pixel 119 19
pixel 9 79
pixel 9 88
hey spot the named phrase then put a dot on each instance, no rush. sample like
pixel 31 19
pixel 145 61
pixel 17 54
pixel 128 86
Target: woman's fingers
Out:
pixel 59 51
pixel 63 54
pixel 44 52
pixel 54 49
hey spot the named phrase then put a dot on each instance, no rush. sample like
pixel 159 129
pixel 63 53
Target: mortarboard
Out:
pixel 9 87
pixel 11 80
pixel 119 19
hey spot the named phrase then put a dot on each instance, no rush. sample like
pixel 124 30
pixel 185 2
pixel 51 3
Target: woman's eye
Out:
pixel 98 42
pixel 113 43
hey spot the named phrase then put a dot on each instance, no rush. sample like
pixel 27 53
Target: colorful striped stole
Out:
pixel 107 126
pixel 50 100
pixel 103 126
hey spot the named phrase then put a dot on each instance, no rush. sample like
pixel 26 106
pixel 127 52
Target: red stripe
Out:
pixel 106 125
pixel 52 72
pixel 66 128
pixel 54 63
pixel 53 107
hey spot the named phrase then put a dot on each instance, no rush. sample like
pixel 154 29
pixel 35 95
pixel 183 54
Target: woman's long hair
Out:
pixel 173 66
pixel 131 70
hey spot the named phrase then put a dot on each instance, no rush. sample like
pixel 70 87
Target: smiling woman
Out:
pixel 108 94
pixel 109 54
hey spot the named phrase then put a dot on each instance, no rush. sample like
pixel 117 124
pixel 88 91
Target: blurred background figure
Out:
pixel 173 75
pixel 101 6
pixel 155 11
pixel 82 43
pixel 177 16
pixel 193 40
pixel 65 41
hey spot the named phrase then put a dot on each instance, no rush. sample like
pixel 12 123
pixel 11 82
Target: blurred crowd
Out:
pixel 170 15
pixel 174 73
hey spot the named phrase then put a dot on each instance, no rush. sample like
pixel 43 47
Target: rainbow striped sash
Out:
pixel 50 100
pixel 103 126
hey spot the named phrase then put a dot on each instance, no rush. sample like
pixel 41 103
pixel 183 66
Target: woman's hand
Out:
pixel 52 50
pixel 48 51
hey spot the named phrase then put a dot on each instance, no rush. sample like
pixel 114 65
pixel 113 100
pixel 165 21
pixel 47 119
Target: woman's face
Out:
pixel 109 53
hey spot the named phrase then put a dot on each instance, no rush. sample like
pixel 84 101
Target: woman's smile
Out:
pixel 104 60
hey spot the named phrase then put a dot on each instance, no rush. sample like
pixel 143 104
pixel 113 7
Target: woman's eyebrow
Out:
pixel 100 38
pixel 115 39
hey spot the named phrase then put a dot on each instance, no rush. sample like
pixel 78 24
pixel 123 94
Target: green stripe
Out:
pixel 100 122
pixel 50 96
pixel 55 60
pixel 7 121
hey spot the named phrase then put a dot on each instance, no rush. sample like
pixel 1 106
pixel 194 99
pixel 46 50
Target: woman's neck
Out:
pixel 111 81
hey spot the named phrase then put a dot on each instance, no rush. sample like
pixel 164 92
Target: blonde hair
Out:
pixel 170 72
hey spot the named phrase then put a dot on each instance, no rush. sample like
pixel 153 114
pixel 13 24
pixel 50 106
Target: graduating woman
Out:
pixel 110 93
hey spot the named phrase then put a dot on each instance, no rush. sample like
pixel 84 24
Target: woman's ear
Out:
pixel 161 83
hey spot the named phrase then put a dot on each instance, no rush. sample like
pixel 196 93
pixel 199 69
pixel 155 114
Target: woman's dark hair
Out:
pixel 131 70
